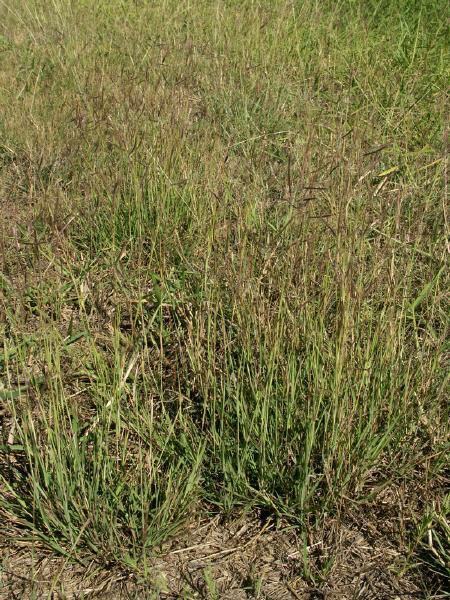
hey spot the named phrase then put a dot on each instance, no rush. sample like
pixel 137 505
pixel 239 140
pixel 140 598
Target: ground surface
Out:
pixel 239 560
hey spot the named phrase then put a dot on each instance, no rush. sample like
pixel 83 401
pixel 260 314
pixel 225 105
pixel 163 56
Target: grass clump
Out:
pixel 224 265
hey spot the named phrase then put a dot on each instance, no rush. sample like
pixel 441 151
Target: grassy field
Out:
pixel 223 298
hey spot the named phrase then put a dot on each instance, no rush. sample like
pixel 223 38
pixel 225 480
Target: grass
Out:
pixel 224 269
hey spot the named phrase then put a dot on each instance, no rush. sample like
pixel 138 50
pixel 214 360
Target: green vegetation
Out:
pixel 223 268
